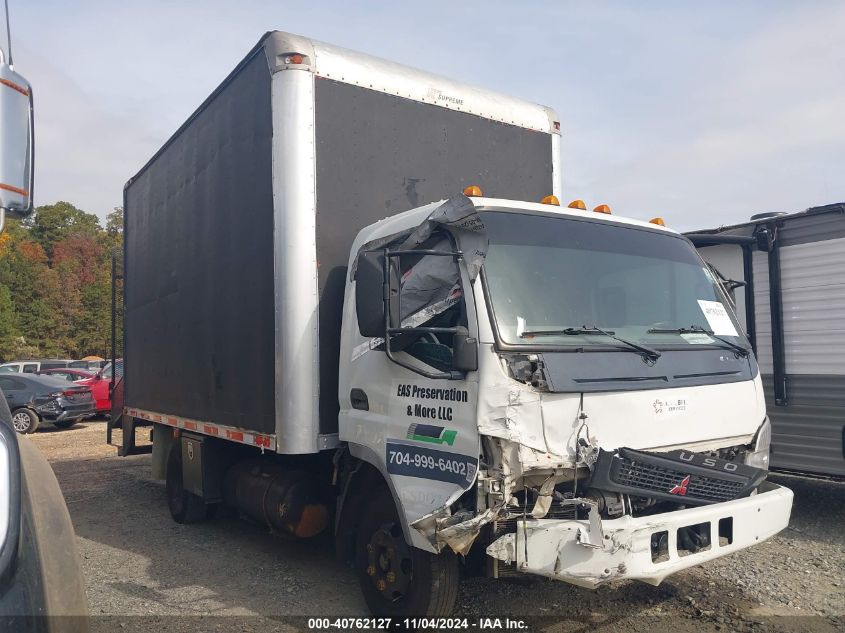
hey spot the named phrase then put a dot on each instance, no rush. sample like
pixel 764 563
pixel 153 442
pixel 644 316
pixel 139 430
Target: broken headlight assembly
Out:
pixel 758 456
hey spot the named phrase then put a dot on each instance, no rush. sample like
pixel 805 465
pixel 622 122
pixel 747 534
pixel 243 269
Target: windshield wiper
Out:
pixel 697 329
pixel 647 353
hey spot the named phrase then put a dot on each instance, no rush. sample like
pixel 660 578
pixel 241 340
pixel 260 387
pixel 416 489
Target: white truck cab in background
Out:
pixel 545 390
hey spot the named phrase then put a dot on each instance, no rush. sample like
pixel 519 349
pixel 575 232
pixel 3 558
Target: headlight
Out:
pixel 759 456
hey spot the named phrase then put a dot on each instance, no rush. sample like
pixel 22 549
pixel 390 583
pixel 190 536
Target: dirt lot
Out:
pixel 138 562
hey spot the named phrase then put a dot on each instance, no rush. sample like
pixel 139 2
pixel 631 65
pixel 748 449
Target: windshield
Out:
pixel 556 281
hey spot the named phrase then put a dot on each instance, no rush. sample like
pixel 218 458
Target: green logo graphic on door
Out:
pixel 431 434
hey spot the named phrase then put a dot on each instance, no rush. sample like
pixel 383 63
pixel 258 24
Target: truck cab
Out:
pixel 567 390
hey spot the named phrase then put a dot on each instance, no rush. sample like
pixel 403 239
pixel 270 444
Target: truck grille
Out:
pixel 653 478
pixel 681 476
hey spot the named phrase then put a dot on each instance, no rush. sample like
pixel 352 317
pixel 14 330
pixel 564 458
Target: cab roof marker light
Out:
pixel 658 221
pixel 577 204
pixel 473 191
pixel 550 200
pixel 602 208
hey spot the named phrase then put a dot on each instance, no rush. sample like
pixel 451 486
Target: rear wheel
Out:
pixel 64 424
pixel 399 580
pixel 25 421
pixel 185 507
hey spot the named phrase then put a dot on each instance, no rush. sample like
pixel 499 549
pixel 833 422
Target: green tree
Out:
pixel 55 283
pixel 8 324
pixel 53 222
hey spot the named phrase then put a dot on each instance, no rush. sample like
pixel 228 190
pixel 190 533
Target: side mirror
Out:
pixel 369 293
pixel 17 146
pixel 465 352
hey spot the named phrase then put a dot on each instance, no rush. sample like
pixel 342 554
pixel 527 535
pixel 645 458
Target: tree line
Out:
pixel 55 283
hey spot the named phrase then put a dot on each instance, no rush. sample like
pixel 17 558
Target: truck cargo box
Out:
pixel 237 231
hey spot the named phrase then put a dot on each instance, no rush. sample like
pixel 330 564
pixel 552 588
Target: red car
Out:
pixel 99 386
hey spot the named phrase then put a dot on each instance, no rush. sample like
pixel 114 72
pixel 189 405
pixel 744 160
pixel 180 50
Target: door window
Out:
pixel 431 295
pixel 30 368
pixel 10 384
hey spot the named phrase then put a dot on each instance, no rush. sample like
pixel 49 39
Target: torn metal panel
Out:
pixel 544 498
pixel 513 411
pixel 461 536
pixel 456 215
pixel 458 531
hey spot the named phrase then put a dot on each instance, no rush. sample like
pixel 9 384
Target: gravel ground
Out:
pixel 138 562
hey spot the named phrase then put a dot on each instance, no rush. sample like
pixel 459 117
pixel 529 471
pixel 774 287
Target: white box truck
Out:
pixel 326 333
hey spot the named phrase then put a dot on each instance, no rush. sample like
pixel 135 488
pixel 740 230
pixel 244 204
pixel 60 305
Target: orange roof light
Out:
pixel 657 221
pixel 577 204
pixel 293 58
pixel 602 208
pixel 473 191
pixel 550 200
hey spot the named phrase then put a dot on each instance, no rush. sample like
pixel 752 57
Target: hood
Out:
pixel 546 424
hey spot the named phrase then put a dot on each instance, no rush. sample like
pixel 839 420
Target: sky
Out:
pixel 702 113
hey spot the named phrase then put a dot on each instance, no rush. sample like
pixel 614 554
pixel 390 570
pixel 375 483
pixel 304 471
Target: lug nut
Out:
pixel 391 577
pixel 371 570
pixel 381 585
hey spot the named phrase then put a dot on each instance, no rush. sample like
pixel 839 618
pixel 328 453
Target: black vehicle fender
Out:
pixel 48 579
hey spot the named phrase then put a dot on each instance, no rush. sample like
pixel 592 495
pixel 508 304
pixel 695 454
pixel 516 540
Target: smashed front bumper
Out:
pixel 623 547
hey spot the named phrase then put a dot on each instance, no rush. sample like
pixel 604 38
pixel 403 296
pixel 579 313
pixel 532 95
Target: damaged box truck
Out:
pixel 326 334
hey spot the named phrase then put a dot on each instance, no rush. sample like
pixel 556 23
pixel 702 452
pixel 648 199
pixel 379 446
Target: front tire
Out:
pixel 185 507
pixel 25 421
pixel 399 580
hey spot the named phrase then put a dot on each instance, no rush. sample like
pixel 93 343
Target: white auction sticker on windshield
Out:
pixel 718 318
pixel 696 338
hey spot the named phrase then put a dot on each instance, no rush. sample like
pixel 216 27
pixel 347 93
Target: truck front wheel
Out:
pixel 399 580
pixel 184 506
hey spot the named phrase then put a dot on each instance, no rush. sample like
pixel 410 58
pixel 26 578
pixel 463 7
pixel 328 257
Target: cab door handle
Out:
pixel 359 399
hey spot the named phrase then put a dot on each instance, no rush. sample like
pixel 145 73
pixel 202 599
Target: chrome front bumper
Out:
pixel 623 548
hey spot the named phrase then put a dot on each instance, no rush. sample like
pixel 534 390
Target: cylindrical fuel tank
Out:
pixel 290 501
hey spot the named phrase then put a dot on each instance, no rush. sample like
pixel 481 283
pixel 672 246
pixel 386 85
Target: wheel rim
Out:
pixel 21 421
pixel 389 562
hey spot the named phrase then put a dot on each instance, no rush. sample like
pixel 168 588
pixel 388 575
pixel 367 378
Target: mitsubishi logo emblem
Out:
pixel 681 488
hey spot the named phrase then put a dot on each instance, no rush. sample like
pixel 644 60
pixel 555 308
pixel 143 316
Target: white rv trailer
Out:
pixel 792 305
